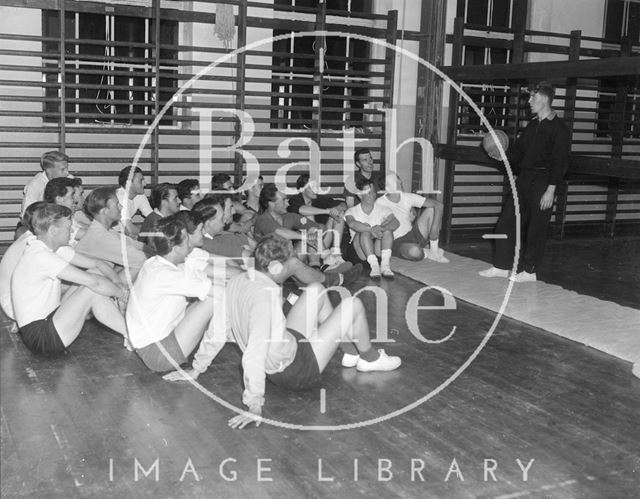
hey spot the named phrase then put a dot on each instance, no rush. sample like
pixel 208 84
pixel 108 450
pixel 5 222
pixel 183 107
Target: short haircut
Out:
pixel 270 248
pixel 46 215
pixel 208 207
pixel 218 180
pixel 57 187
pixel 545 88
pixel 97 200
pixel 160 192
pixel 50 158
pixel 76 182
pixel 189 219
pixel 267 194
pixel 171 232
pixel 124 175
pixel 27 216
pixel 360 152
pixel 363 182
pixel 186 186
pixel 302 181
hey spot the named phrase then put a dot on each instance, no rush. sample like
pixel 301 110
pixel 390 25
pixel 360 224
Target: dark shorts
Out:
pixel 303 372
pixel 155 360
pixel 351 255
pixel 42 337
pixel 414 236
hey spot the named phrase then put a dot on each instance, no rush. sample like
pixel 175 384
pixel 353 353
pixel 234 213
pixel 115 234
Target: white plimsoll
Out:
pixel 350 360
pixel 494 272
pixel 524 277
pixel 383 363
pixel 437 255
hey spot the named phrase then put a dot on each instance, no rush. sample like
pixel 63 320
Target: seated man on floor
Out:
pixel 11 258
pixel 252 201
pixel 242 216
pixel 411 237
pixel 163 327
pixel 54 164
pixel 49 321
pixel 189 193
pixel 200 260
pixel 364 170
pixel 164 201
pixel 274 218
pixel 102 241
pixel 63 191
pixel 132 199
pixel 290 351
pixel 371 226
pixel 215 213
pixel 325 211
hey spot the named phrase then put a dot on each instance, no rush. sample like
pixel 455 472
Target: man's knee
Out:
pixel 354 304
pixel 365 236
pixel 411 252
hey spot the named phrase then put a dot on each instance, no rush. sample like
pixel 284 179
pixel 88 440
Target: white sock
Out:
pixel 385 256
pixel 373 261
pixel 433 245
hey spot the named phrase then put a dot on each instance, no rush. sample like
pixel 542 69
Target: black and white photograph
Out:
pixel 320 249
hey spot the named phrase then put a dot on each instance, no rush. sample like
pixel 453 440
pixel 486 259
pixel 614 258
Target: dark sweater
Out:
pixel 544 145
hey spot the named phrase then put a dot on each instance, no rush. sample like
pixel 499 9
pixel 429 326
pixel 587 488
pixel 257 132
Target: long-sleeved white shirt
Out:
pixel 255 320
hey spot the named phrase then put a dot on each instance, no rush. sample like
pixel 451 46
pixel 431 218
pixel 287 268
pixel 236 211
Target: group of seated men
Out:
pixel 185 281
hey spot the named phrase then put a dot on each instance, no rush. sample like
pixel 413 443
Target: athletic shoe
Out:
pixel 523 277
pixel 350 360
pixel 494 272
pixel 382 363
pixel 436 256
pixel 375 273
pixel 387 273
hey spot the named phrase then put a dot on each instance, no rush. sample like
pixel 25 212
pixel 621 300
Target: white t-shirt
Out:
pixel 35 286
pixel 402 210
pixel 131 206
pixel 7 266
pixel 377 216
pixel 158 300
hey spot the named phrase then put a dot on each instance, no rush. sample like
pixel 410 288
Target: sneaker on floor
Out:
pixel 524 277
pixel 383 363
pixel 375 273
pixel 387 273
pixel 350 360
pixel 435 255
pixel 494 272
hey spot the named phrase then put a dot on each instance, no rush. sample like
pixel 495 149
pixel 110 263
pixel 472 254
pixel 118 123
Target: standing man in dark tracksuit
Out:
pixel 540 156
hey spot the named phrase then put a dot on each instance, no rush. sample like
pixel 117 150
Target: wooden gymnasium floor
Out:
pixel 81 426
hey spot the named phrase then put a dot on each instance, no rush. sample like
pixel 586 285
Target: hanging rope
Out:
pixel 225 26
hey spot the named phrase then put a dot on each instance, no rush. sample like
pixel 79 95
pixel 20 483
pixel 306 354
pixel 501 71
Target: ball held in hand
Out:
pixel 491 147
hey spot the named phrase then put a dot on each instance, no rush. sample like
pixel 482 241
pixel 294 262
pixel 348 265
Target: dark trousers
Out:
pixel 534 224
